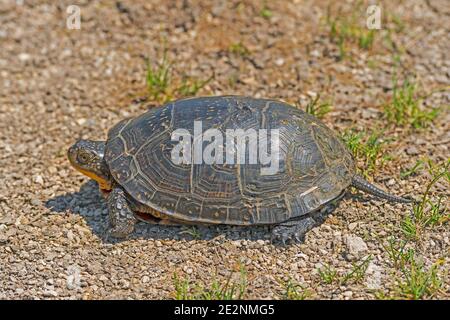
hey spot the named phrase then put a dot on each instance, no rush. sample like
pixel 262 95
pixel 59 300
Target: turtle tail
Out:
pixel 362 184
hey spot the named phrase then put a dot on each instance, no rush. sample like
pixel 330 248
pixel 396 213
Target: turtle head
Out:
pixel 87 156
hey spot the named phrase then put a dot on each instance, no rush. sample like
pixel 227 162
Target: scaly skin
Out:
pixel 121 216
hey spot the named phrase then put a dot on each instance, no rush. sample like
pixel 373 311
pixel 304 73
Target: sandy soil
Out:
pixel 58 84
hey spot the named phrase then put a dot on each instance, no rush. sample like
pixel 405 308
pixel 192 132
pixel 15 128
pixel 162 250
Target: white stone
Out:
pixel 39 180
pixel 348 294
pixel 374 275
pixel 279 62
pixel 24 57
pixel 355 245
pixel 352 226
pixel 81 121
pixel 391 182
pixel 70 235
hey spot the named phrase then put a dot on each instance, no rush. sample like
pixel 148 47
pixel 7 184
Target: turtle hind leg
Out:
pixel 295 230
pixel 121 216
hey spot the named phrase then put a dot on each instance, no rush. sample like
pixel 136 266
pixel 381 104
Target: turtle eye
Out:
pixel 83 157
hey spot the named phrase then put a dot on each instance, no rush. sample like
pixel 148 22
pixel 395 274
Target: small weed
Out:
pixel 162 87
pixel 405 110
pixel 413 170
pixel 367 147
pixel 354 141
pixel 398 253
pixel 357 272
pixel 427 213
pixel 318 108
pixel 193 232
pixel 437 212
pixel 190 87
pixel 414 280
pixel 239 49
pixel 216 291
pixel 294 291
pixel 158 78
pixel 366 39
pixel 398 23
pixel 338 37
pixel 329 275
pixel 410 228
pixel 418 281
pixel 265 12
pixel 181 288
pixel 347 30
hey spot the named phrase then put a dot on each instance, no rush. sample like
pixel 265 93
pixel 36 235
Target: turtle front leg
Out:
pixel 121 217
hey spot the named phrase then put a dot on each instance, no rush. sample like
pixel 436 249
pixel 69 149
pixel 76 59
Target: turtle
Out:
pixel 142 180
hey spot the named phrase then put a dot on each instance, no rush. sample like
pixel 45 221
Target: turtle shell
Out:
pixel 314 165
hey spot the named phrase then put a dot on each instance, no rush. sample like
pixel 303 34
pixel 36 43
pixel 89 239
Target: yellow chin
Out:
pixel 103 184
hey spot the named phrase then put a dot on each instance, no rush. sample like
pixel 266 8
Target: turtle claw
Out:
pixel 119 232
pixel 278 235
pixel 298 237
pixel 285 239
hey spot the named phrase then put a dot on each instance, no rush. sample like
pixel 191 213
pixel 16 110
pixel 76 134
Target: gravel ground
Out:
pixel 59 84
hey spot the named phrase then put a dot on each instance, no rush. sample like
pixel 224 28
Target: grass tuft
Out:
pixel 329 275
pixel 228 290
pixel 418 281
pixel 294 291
pixel 193 232
pixel 404 108
pixel 427 212
pixel 414 280
pixel 239 49
pixel 397 252
pixel 413 170
pixel 367 147
pixel 161 86
pixel 318 108
pixel 158 78
pixel 265 12
pixel 345 30
pixel 190 87
pixel 358 271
